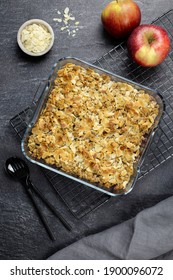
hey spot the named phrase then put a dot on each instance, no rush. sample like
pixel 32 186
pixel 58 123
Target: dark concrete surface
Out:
pixel 22 235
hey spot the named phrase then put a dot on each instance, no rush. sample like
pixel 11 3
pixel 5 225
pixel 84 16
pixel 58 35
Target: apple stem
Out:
pixel 151 40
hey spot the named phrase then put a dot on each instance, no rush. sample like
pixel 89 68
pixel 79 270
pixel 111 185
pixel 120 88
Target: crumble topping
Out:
pixel 93 127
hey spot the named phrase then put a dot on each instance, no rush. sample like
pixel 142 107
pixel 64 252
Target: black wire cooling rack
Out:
pixel 81 199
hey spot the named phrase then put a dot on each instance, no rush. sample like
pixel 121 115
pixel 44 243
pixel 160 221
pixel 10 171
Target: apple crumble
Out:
pixel 93 127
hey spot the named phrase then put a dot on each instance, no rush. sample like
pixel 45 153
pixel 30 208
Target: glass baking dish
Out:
pixel 41 104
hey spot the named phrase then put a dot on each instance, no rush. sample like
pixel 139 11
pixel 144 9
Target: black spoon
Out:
pixel 18 169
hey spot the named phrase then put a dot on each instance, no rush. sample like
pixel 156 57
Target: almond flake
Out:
pixel 67 17
pixel 65 21
pixel 77 22
pixel 66 11
pixel 57 19
pixel 64 27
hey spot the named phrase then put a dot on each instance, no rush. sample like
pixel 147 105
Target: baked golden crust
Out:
pixel 93 127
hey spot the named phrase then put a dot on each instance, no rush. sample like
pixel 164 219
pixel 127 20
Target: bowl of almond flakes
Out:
pixel 93 126
pixel 35 37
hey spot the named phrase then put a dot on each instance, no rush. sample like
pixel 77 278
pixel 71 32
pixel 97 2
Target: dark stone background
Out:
pixel 22 235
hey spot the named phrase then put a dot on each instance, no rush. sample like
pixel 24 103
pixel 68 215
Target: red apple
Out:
pixel 120 17
pixel 148 45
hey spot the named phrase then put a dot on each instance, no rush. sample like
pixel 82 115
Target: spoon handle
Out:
pixel 41 215
pixel 52 208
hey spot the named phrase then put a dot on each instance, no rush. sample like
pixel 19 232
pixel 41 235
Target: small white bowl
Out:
pixel 37 21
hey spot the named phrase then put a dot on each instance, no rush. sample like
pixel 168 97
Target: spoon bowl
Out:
pixel 17 168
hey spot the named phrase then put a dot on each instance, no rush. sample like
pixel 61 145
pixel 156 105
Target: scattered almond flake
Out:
pixel 66 18
pixel 66 10
pixel 65 21
pixel 73 34
pixel 64 27
pixel 57 19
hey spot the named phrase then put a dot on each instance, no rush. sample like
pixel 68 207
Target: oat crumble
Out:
pixel 93 127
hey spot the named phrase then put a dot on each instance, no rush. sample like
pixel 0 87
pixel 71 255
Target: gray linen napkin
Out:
pixel 147 236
